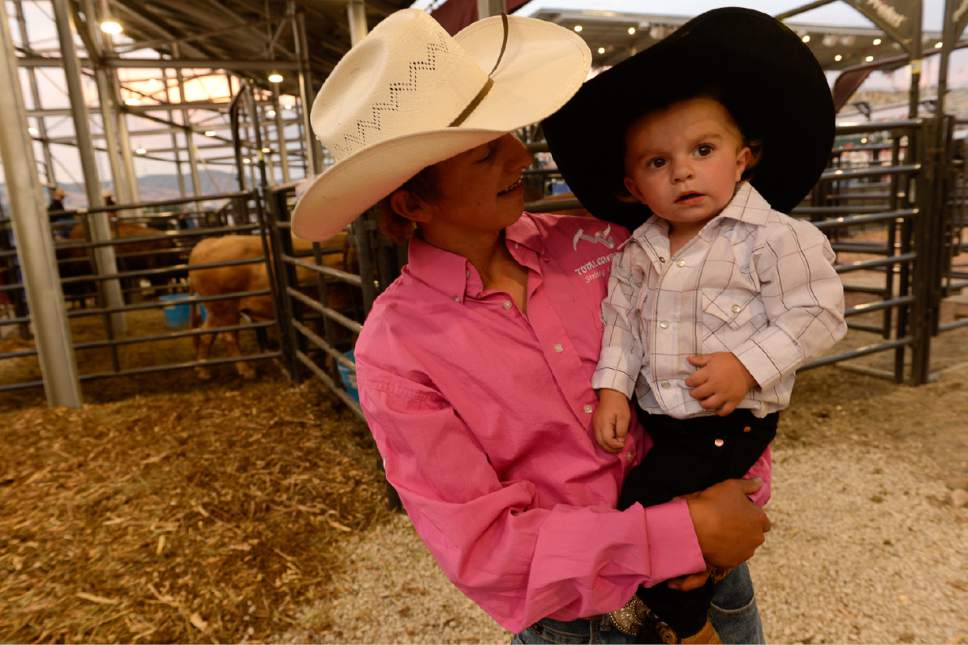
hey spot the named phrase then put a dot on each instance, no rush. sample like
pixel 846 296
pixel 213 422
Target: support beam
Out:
pixel 35 248
pixel 487 8
pixel 104 256
pixel 51 176
pixel 313 157
pixel 356 16
pixel 188 132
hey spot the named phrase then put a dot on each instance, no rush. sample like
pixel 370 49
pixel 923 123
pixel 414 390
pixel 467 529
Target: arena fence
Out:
pixel 151 243
pixel 880 203
pixel 894 203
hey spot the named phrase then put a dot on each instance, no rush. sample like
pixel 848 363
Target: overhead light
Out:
pixel 631 31
pixel 805 38
pixel 246 160
pixel 938 45
pixel 601 50
pixel 32 131
pixel 140 151
pixel 863 139
pixel 111 27
pixel 838 58
pixel 271 114
pixel 578 29
pixel 210 133
pixel 276 77
pixel 869 58
pixel 266 150
pixel 877 41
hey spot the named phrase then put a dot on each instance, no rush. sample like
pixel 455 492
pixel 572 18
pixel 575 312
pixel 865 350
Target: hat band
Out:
pixel 488 84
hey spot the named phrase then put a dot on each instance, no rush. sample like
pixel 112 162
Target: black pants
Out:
pixel 687 456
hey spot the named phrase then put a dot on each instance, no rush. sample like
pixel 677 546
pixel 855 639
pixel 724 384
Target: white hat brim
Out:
pixel 542 67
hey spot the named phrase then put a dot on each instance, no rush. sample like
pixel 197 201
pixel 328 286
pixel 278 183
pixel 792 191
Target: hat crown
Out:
pixel 408 75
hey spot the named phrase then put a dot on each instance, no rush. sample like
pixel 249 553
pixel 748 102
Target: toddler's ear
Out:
pixel 626 194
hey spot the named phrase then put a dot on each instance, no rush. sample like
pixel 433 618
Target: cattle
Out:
pixel 216 281
pixel 156 252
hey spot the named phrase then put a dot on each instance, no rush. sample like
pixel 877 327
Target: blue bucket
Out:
pixel 348 376
pixel 178 311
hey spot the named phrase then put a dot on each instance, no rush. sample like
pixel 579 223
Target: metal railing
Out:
pixel 162 260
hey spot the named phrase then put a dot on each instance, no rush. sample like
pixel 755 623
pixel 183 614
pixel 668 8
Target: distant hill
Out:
pixel 152 187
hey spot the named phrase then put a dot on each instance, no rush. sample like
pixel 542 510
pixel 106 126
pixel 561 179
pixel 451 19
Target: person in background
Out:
pixel 62 221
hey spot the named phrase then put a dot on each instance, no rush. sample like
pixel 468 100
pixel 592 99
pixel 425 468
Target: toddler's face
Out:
pixel 684 161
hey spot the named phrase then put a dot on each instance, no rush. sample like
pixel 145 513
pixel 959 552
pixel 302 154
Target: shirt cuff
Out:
pixel 613 379
pixel 673 546
pixel 769 356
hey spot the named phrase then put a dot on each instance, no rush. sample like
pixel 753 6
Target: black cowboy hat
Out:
pixel 757 67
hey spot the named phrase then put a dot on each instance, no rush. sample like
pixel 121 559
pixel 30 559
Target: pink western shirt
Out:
pixel 483 413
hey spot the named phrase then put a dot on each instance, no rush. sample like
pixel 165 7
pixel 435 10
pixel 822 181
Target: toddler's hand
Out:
pixel 720 383
pixel 611 420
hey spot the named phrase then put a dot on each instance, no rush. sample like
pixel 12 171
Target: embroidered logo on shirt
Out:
pixel 602 237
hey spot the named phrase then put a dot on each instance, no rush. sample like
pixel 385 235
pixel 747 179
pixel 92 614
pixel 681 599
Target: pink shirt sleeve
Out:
pixel 519 562
pixel 763 468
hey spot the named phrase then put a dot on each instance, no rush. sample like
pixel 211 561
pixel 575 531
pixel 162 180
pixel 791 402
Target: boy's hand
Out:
pixel 611 420
pixel 720 383
pixel 690 582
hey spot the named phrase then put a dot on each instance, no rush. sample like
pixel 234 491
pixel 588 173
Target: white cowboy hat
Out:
pixel 410 95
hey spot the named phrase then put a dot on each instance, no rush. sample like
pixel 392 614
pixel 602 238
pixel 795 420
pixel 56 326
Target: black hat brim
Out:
pixel 768 78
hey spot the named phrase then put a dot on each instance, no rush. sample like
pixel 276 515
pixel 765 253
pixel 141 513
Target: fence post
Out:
pixel 284 275
pixel 927 244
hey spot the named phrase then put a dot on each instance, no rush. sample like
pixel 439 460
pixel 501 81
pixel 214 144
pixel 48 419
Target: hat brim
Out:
pixel 542 67
pixel 775 87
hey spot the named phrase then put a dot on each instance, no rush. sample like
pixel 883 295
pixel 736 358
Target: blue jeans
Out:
pixel 733 612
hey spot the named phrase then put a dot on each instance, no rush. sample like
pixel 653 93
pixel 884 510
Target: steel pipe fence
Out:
pixel 879 202
pixel 175 232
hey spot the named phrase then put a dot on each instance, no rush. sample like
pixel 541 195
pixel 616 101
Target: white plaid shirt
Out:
pixel 754 282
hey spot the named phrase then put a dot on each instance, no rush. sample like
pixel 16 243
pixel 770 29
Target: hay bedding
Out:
pixel 210 515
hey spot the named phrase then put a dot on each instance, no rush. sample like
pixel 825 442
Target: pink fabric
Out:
pixel 483 417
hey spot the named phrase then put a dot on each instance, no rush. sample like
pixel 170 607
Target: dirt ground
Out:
pixel 168 510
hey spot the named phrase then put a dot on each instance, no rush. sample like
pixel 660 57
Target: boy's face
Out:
pixel 684 161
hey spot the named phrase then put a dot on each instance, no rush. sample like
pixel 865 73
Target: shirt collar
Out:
pixel 451 273
pixel 747 205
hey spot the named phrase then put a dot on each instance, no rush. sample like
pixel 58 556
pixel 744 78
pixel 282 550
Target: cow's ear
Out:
pixel 406 203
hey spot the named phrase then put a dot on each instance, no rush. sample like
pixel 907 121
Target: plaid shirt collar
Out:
pixel 747 205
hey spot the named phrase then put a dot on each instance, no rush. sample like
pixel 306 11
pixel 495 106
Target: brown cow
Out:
pixel 244 277
pixel 154 253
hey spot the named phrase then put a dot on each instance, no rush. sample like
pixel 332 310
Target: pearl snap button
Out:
pixel 666 385
pixel 680 263
pixel 735 309
pixel 663 324
pixel 588 409
pixel 507 304
pixel 559 348
pixel 661 259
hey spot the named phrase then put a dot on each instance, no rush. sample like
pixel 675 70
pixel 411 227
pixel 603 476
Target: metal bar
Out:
pixel 104 258
pixel 857 353
pixel 866 219
pixel 200 331
pixel 23 386
pixel 879 126
pixel 179 366
pixel 158 305
pixel 869 264
pixel 802 9
pixel 873 172
pixel 323 345
pixel 35 96
pixel 953 325
pixel 34 242
pixel 344 276
pixel 305 88
pixel 352 325
pixel 868 307
pixel 331 384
